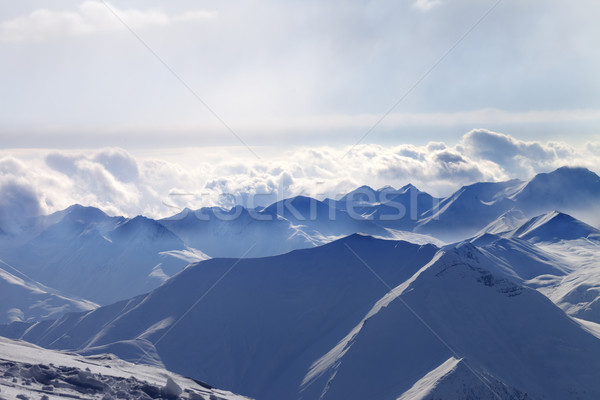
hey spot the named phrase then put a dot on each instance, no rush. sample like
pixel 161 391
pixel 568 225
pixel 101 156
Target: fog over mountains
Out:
pixel 490 293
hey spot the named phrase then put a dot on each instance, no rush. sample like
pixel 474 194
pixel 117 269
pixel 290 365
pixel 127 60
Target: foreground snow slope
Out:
pixel 34 372
pixel 23 299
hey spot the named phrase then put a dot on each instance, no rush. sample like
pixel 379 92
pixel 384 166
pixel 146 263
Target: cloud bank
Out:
pixel 159 185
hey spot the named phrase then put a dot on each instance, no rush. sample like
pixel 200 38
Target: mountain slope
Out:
pixel 473 207
pixel 569 189
pixel 22 299
pixel 460 305
pixel 261 325
pixel 469 210
pixel 237 232
pixel 455 380
pixel 83 252
pixel 554 226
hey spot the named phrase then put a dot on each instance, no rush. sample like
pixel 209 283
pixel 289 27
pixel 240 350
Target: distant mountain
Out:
pixel 554 226
pixel 473 207
pixel 395 209
pixel 568 189
pixel 238 232
pixel 22 299
pixel 86 253
pixel 469 209
pixel 83 252
pixel 320 219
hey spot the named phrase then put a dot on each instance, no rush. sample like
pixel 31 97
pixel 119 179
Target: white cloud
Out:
pixel 120 183
pixel 426 5
pixel 90 17
pixel 518 157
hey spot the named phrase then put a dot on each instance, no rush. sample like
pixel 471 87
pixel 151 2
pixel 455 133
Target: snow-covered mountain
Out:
pixel 469 209
pixel 554 226
pixel 85 253
pixel 572 190
pixel 566 260
pixel 390 208
pixel 238 232
pixel 29 371
pixel 260 326
pixel 511 310
pixel 512 340
pixel 53 248
pixel 465 321
pixel 23 299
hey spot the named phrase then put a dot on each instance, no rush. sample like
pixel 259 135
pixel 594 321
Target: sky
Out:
pixel 146 106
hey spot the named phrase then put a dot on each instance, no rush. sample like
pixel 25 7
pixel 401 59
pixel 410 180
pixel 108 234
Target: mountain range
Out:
pixel 490 293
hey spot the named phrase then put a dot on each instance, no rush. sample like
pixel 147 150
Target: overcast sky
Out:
pixel 139 80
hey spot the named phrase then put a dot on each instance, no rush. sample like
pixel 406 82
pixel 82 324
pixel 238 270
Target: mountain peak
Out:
pixel 407 187
pixel 559 186
pixel 87 213
pixel 554 226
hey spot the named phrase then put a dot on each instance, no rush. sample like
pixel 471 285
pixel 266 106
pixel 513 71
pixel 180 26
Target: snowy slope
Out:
pixel 260 328
pixel 554 226
pixel 34 372
pixel 317 322
pixel 456 380
pixel 469 209
pixel 460 306
pixel 556 254
pixel 508 221
pixel 578 292
pixel 573 190
pixel 22 299
pixel 85 253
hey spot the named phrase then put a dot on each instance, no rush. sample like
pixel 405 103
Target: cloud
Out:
pixel 426 5
pixel 90 17
pixel 162 184
pixel 119 163
pixel 518 157
pixel 18 202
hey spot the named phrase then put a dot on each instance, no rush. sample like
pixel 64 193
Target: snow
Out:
pixel 322 326
pixel 28 370
pixel 454 380
pixel 69 251
pixel 489 293
pixel 260 328
pixel 23 299
pixel 466 308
